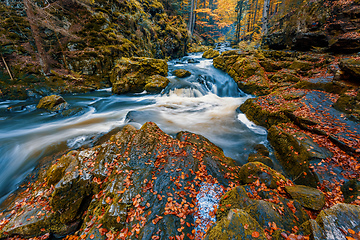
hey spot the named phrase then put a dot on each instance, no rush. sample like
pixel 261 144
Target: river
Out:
pixel 205 103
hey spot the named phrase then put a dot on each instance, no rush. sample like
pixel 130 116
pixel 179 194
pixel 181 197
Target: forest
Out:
pixel 180 119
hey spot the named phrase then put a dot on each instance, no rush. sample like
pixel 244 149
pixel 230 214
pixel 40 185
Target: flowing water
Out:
pixel 205 103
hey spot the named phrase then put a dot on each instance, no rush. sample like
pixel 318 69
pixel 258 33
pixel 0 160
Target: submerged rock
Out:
pixel 52 103
pixel 181 73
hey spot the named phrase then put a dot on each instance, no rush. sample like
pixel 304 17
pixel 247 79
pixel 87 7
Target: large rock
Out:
pixel 130 75
pixel 245 70
pixel 308 197
pixel 139 184
pixel 211 53
pixel 52 103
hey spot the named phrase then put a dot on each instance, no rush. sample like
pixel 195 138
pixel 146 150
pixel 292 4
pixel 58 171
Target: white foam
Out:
pixel 252 126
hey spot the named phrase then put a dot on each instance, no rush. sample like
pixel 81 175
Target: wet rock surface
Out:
pixel 311 115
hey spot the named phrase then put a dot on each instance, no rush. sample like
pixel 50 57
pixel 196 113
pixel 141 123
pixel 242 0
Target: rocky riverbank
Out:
pixel 74 46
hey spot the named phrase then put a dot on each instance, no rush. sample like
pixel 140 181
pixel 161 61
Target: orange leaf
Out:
pixel 92 236
pixel 255 234
pixel 351 231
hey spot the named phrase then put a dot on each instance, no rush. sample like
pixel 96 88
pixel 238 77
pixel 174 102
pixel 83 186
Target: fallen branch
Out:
pixel 7 68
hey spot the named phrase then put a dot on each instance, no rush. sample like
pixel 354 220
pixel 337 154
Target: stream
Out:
pixel 205 103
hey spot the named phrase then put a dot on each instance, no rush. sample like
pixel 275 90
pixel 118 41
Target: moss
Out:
pixel 57 171
pixel 237 225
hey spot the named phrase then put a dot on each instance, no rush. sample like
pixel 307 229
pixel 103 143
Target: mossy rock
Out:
pixel 233 199
pixel 308 197
pixel 261 149
pixel 132 74
pixel 156 83
pixel 181 73
pixel 262 117
pixel 293 156
pixel 57 171
pixel 299 65
pixel 52 103
pixel 284 77
pixel 237 225
pixel 211 53
pixel 254 171
pixel 350 67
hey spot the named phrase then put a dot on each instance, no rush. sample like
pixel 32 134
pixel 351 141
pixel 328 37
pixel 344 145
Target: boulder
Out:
pixel 130 75
pixel 211 53
pixel 340 221
pixel 308 197
pixel 156 83
pixel 181 73
pixel 52 103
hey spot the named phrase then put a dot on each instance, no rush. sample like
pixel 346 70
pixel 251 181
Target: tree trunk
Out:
pixel 255 12
pixel 36 33
pixel 265 17
pixel 191 17
pixel 239 8
pixel 194 17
